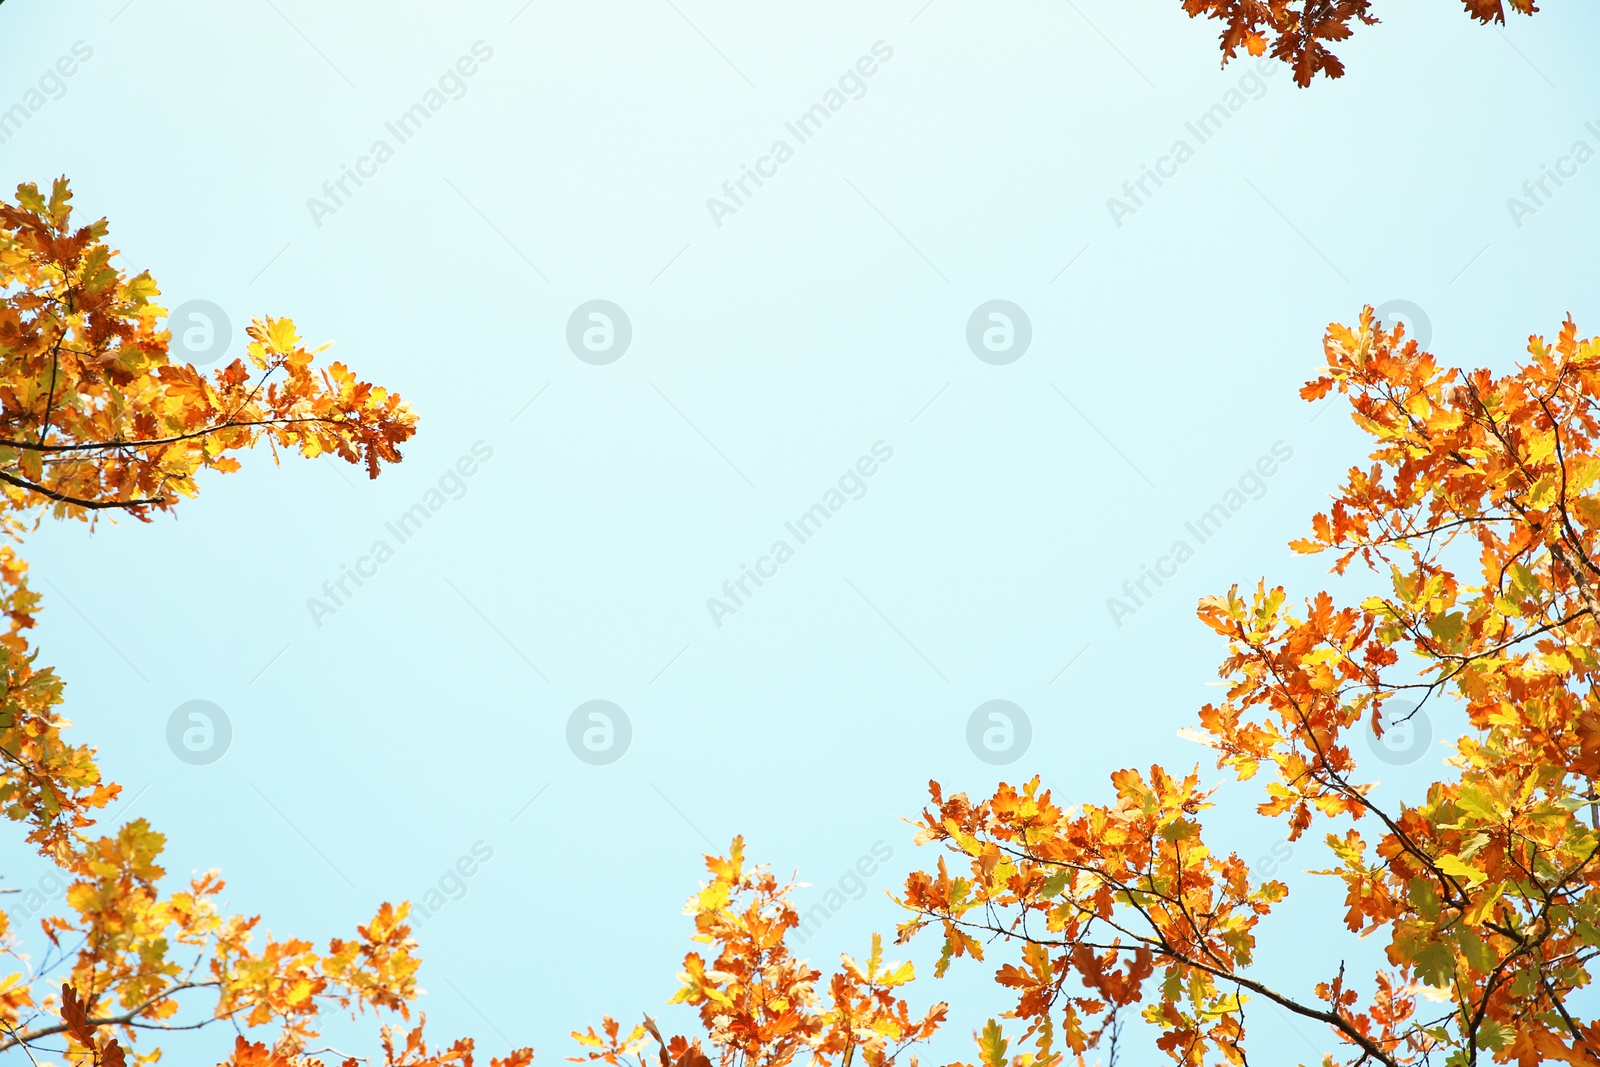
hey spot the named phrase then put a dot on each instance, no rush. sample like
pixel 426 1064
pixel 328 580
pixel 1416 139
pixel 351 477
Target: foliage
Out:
pixel 92 413
pixel 761 1007
pixel 95 417
pixel 1481 510
pixel 1298 31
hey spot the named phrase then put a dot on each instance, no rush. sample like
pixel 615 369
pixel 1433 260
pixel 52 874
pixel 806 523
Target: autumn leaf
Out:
pixel 96 419
pixel 992 1045
pixel 1477 515
pixel 1297 31
pixel 757 1003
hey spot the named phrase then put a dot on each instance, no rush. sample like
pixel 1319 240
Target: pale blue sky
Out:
pixel 768 355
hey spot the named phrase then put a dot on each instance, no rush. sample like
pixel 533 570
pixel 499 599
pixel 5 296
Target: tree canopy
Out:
pixel 94 417
pixel 1480 511
pixel 1300 32
pixel 1477 511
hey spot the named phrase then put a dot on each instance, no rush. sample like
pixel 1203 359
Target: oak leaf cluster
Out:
pixel 95 418
pixel 1301 33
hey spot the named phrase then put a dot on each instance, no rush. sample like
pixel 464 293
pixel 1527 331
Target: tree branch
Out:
pixel 94 505
pixel 127 1018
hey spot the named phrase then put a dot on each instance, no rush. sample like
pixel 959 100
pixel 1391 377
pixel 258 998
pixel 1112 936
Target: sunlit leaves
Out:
pixel 95 418
pixel 760 1005
pixel 1479 511
pixel 1299 32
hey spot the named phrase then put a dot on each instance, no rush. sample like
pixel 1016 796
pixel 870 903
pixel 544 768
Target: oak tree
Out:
pixel 1299 31
pixel 96 419
pixel 1479 514
pixel 758 1005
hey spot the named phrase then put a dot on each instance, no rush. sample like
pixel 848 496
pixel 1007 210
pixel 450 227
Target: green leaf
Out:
pixel 1455 868
pixel 992 1046
pixel 1475 950
pixel 1493 1036
pixel 1424 897
pixel 1448 627
pixel 1476 802
pixel 1180 830
pixel 1435 963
